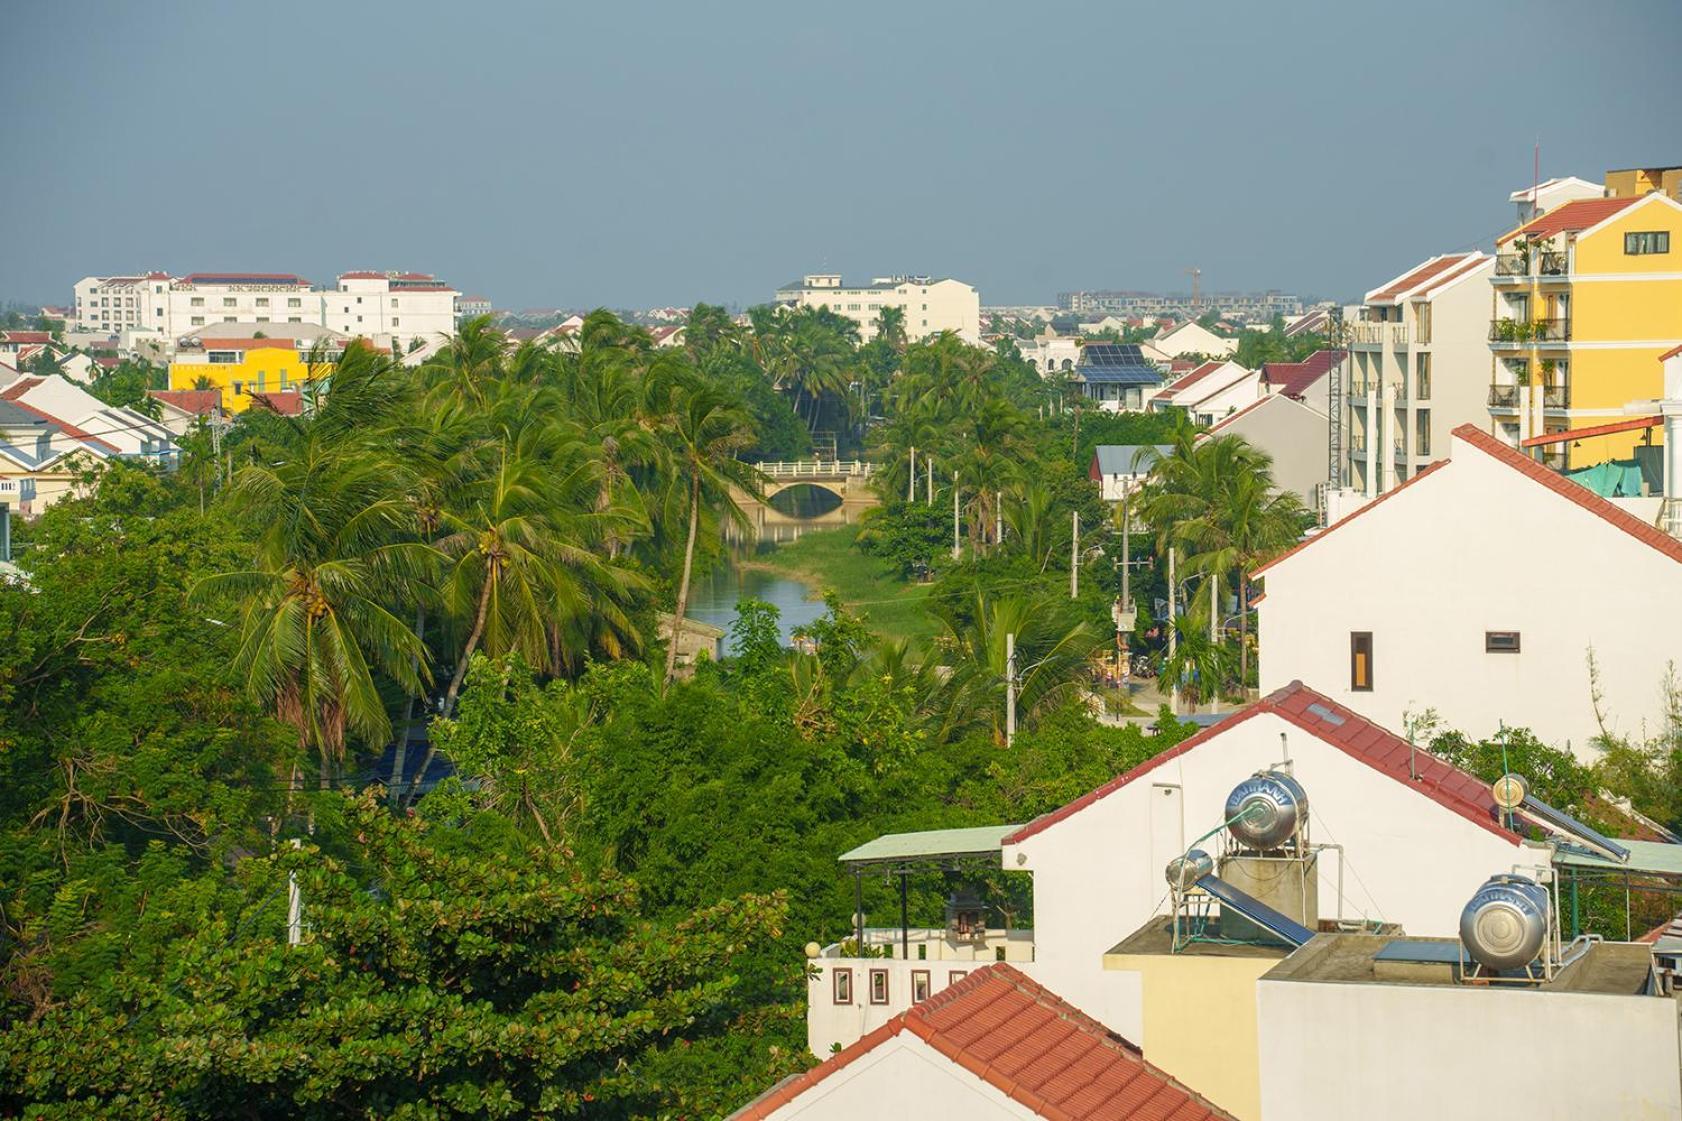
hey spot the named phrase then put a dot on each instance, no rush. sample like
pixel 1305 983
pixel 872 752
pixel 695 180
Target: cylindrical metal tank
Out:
pixel 1266 810
pixel 1184 871
pixel 1506 922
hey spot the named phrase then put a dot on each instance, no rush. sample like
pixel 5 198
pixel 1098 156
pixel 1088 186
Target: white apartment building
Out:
pixel 405 305
pixel 1418 369
pixel 931 304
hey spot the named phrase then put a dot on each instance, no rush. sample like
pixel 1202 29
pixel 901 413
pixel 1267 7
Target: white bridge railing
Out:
pixel 818 469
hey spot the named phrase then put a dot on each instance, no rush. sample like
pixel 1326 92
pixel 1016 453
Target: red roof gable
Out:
pixel 1572 217
pixel 14 392
pixel 286 404
pixel 1438 268
pixel 1346 730
pixel 37 337
pixel 1028 1043
pixel 248 344
pixel 19 388
pixel 1293 379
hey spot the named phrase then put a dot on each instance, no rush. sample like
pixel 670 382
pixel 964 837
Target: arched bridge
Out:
pixel 847 479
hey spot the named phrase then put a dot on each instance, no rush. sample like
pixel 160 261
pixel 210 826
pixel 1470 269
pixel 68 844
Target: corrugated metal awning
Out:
pixel 932 845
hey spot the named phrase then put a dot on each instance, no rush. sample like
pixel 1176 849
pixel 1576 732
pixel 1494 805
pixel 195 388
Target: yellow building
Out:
pixel 242 368
pixel 1632 182
pixel 1586 298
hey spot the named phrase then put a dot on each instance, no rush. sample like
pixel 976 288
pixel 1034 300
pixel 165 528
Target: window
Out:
pixel 197 301
pixel 223 357
pixel 294 301
pixel 228 301
pixel 1422 378
pixel 395 321
pixel 198 321
pixel 293 319
pixel 262 301
pixel 1360 661
pixel 1422 432
pixel 842 980
pixel 919 985
pixel 878 986
pixel 1654 241
pixel 956 975
pixel 262 319
pixel 1500 642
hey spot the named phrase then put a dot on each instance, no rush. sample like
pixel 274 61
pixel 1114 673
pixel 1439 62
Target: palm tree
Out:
pixel 1053 649
pixel 707 429
pixel 330 555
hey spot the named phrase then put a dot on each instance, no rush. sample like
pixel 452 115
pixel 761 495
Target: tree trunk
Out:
pixel 688 567
pixel 449 704
pixel 400 741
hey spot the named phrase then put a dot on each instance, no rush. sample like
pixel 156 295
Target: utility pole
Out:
pixel 911 486
pixel 1010 687
pixel 1074 559
pixel 998 517
pixel 928 461
pixel 957 547
pixel 294 905
pixel 1173 644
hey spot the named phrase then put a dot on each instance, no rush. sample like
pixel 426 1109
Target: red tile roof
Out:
pixel 1573 492
pixel 19 388
pixel 1669 354
pixel 1030 1044
pixel 1194 377
pixel 27 336
pixel 1566 435
pixel 244 278
pixel 248 344
pixel 1230 417
pixel 1293 379
pixel 1437 268
pixel 195 401
pixel 1313 321
pixel 14 392
pixel 1355 735
pixel 286 404
pixel 1572 217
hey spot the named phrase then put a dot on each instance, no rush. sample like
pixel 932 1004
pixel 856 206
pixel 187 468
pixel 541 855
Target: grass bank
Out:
pixel 827 560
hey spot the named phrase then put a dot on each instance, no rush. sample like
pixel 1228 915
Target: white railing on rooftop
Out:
pixel 938 944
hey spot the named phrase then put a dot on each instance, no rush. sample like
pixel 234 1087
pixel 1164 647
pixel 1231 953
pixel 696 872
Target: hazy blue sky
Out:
pixel 634 155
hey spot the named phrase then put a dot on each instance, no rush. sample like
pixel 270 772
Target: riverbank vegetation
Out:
pixel 344 771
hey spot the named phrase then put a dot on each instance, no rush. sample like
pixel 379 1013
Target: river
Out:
pixel 713 598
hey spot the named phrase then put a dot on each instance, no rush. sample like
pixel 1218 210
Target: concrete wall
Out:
pixel 902 1077
pixel 1200 1023
pixel 1478 547
pixel 1098 874
pixel 1333 1051
pixel 1295 436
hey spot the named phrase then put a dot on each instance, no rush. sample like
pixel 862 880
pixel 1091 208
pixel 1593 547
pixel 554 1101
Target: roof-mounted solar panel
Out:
pixel 1596 842
pixel 1284 928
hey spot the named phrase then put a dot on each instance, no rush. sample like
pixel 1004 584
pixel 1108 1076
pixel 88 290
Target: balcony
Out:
pixel 1503 396
pixel 849 994
pixel 1518 333
pixel 1518 264
pixel 1369 334
pixel 1556 396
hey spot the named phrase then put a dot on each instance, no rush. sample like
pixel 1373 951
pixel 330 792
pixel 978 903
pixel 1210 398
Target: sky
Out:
pixel 640 155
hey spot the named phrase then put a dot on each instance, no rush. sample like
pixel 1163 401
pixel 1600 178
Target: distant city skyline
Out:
pixel 645 156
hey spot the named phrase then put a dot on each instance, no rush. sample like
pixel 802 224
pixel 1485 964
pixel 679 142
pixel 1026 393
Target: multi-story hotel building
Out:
pixel 402 305
pixel 931 305
pixel 1418 367
pixel 1587 296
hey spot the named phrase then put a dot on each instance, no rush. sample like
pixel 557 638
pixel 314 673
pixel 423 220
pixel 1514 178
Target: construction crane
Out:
pixel 1196 275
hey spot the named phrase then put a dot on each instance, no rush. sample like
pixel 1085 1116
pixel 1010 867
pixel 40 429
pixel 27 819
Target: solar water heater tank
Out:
pixel 1266 810
pixel 1506 922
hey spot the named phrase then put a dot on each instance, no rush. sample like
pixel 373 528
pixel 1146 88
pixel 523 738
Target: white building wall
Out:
pixel 1478 547
pixel 930 308
pixel 1222 400
pixel 1294 435
pixel 1391 1052
pixel 906 1078
pixel 1099 874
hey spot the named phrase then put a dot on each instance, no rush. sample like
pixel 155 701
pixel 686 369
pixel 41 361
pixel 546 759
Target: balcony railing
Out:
pixel 1518 332
pixel 1518 264
pixel 1554 460
pixel 1378 334
pixel 1503 396
pixel 1556 396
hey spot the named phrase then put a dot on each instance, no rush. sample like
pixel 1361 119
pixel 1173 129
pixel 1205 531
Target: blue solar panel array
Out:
pixel 1280 926
pixel 1120 363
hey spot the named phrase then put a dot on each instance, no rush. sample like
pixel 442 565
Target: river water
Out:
pixel 714 597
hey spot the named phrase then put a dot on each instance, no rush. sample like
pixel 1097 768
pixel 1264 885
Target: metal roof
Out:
pixel 1646 858
pixel 1128 459
pixel 933 844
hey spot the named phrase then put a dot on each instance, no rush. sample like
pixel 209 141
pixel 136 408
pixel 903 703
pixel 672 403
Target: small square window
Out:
pixel 1500 642
pixel 842 980
pixel 956 975
pixel 919 985
pixel 878 986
